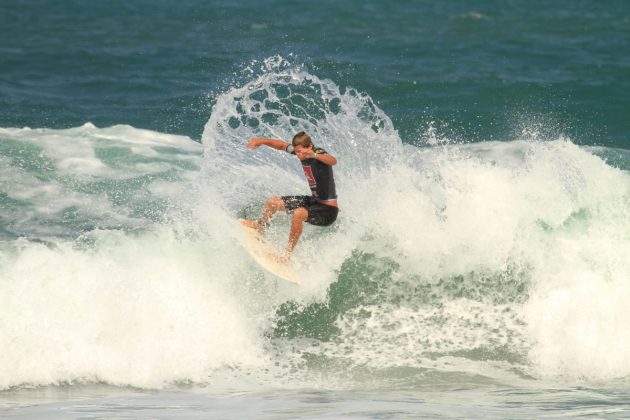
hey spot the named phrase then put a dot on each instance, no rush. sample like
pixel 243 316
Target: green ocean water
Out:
pixel 479 264
pixel 482 68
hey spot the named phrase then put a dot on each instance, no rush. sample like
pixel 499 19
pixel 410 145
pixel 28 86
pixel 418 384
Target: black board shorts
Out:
pixel 318 214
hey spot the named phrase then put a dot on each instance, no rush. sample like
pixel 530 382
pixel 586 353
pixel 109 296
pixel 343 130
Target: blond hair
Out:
pixel 302 139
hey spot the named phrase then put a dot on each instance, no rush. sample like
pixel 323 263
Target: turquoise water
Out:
pixel 483 68
pixel 479 264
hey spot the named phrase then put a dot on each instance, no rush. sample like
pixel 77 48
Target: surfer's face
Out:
pixel 303 152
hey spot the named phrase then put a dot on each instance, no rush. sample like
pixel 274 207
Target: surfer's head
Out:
pixel 301 143
pixel 302 139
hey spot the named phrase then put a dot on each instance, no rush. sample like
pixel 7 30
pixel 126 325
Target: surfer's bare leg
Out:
pixel 272 205
pixel 297 222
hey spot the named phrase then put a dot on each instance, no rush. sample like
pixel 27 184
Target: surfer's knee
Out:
pixel 274 202
pixel 300 214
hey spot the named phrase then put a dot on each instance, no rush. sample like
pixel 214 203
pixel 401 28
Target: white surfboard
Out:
pixel 260 250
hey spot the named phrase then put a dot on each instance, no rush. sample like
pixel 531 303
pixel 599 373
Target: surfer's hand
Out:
pixel 254 143
pixel 307 154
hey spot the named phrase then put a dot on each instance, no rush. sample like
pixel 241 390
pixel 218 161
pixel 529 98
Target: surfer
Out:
pixel 320 208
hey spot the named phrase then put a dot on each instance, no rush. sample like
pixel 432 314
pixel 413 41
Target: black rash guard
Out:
pixel 319 176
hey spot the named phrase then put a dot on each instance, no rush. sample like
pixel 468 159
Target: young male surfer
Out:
pixel 319 208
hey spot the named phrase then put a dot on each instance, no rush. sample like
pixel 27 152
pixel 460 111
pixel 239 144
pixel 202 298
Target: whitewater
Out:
pixel 452 264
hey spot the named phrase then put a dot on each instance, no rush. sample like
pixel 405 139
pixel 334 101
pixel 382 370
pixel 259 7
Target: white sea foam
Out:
pixel 96 174
pixel 546 215
pixel 486 258
pixel 141 311
pixel 525 212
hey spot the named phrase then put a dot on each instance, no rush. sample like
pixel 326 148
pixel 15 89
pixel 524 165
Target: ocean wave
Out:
pixel 493 261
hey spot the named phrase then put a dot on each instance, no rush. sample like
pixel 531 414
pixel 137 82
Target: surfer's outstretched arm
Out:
pixel 273 143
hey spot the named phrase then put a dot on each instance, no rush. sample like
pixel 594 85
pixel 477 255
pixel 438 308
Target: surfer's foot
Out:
pixel 251 224
pixel 281 258
pixel 254 224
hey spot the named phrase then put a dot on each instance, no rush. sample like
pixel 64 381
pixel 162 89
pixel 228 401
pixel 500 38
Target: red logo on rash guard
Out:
pixel 309 175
